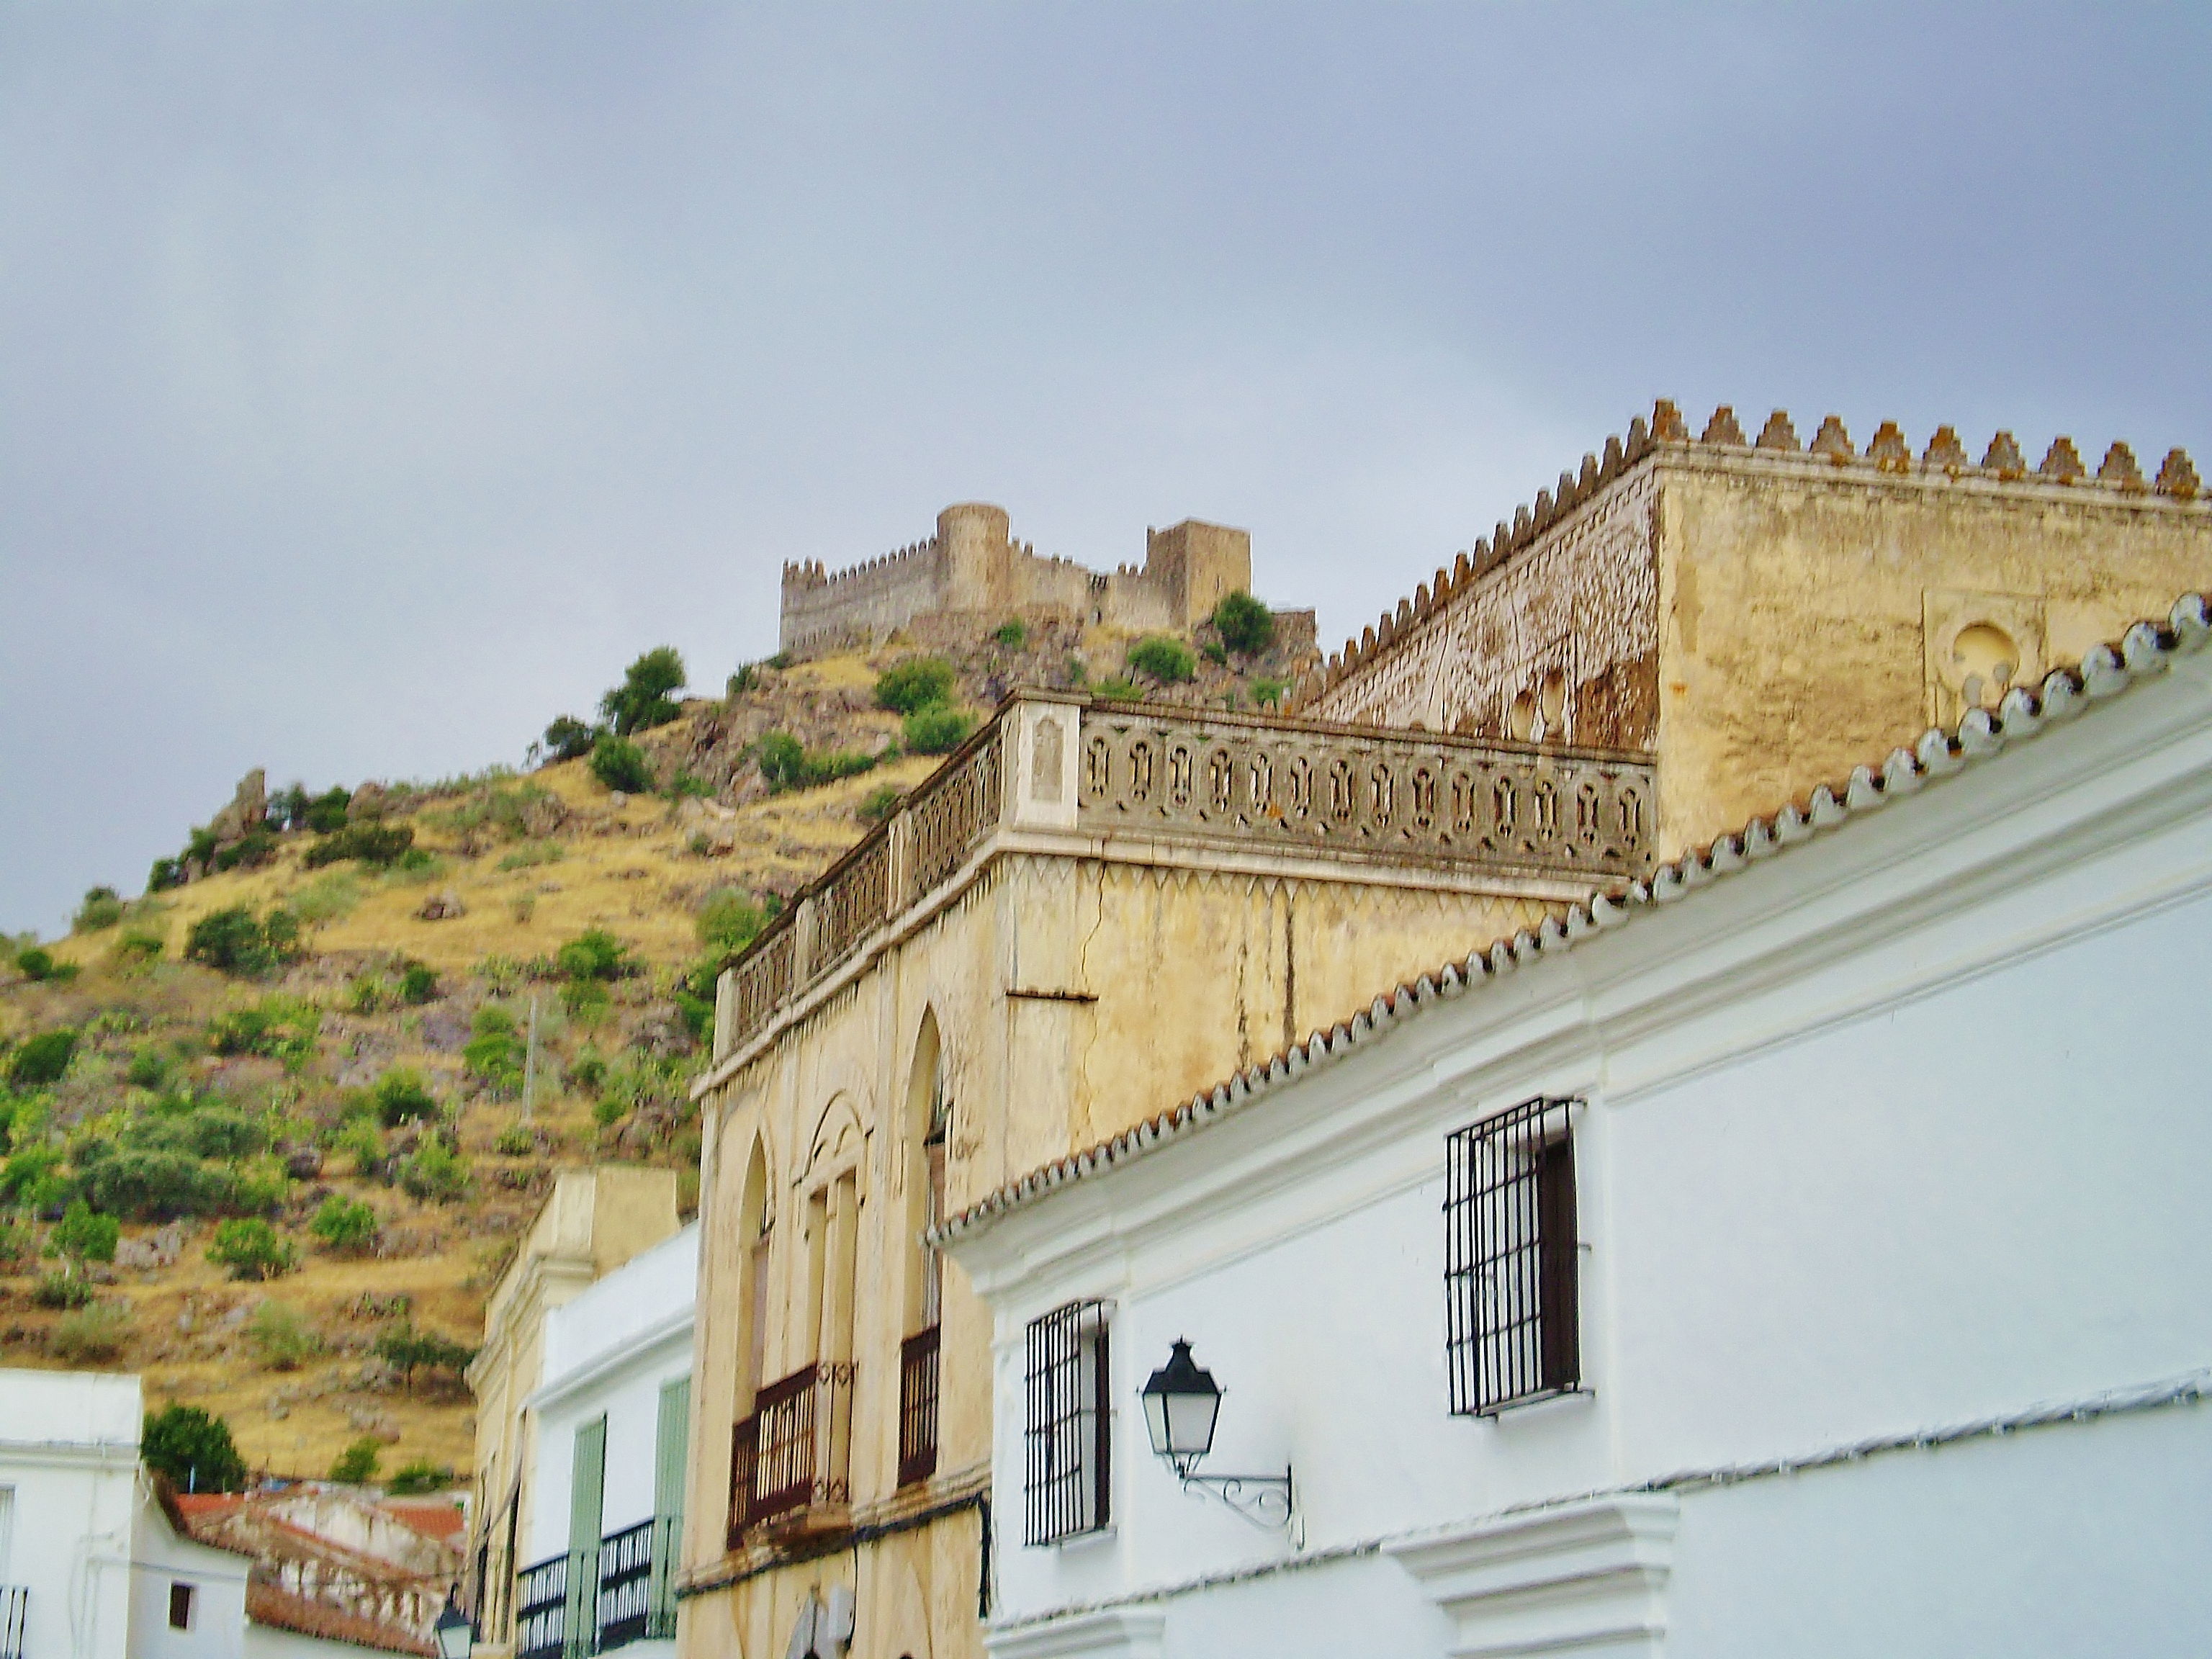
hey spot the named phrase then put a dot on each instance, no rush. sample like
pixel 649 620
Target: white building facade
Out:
pixel 94 1564
pixel 1804 1253
pixel 605 1517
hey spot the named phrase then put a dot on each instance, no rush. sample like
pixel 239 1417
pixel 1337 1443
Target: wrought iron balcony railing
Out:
pixel 1093 772
pixel 586 1601
pixel 918 1407
pixel 788 1459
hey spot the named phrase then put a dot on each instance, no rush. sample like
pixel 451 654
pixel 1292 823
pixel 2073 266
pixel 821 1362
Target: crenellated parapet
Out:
pixel 1944 460
pixel 973 567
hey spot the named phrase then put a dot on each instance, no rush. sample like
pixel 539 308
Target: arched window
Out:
pixel 752 1293
pixel 927 1119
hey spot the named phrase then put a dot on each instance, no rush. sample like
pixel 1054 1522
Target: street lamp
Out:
pixel 457 1637
pixel 1182 1401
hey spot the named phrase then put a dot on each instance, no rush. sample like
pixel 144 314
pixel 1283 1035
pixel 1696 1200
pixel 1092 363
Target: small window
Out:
pixel 181 1597
pixel 1067 1424
pixel 1510 1259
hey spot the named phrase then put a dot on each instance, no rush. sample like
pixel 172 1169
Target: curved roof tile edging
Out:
pixel 2142 652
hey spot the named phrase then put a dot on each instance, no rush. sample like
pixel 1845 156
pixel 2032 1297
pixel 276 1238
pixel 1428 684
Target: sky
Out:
pixel 376 380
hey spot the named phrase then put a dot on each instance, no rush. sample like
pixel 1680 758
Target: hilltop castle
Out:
pixel 971 571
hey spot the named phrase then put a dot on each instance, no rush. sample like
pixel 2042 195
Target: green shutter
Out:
pixel 671 1436
pixel 586 1503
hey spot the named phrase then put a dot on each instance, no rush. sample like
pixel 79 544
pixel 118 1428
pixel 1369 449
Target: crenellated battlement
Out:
pixel 973 565
pixel 1945 461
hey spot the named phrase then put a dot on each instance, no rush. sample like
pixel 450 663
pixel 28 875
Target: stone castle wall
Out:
pixel 973 570
pixel 1763 617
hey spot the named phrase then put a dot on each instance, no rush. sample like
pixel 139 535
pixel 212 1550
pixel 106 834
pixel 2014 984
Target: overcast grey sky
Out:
pixel 376 380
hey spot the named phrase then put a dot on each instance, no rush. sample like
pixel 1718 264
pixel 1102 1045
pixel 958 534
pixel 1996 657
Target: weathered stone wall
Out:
pixel 1763 617
pixel 973 570
pixel 1046 980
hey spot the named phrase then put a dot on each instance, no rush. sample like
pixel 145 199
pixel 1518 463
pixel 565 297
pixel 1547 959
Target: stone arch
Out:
pixel 924 1131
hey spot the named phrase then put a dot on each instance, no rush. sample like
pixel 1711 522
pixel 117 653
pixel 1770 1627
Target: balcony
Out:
pixel 629 1577
pixel 918 1407
pixel 1063 772
pixel 788 1459
pixel 15 1615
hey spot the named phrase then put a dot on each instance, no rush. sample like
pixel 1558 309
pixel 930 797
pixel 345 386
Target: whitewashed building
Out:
pixel 607 1497
pixel 96 1560
pixel 1802 1252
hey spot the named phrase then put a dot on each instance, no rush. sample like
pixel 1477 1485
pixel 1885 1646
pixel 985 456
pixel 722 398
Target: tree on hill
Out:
pixel 192 1448
pixel 1244 623
pixel 643 700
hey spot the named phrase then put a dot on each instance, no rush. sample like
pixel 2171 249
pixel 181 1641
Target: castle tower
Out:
pixel 976 572
pixel 1196 565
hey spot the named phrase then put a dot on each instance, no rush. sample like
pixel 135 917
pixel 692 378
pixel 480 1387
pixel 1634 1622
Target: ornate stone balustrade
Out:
pixel 1086 778
pixel 1294 787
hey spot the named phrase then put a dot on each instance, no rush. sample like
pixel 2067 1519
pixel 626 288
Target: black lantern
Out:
pixel 456 1635
pixel 1182 1402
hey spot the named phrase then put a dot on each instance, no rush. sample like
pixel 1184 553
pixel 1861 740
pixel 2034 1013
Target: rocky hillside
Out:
pixel 310 1054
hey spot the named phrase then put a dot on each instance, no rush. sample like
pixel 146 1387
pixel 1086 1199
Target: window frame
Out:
pixel 184 1603
pixel 1512 1258
pixel 1067 1423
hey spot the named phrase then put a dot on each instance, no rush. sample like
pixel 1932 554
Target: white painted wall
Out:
pixel 160 1558
pixel 69 1456
pixel 1899 1130
pixel 609 1351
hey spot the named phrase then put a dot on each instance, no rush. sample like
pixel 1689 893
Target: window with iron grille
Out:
pixel 1510 1258
pixel 1066 1426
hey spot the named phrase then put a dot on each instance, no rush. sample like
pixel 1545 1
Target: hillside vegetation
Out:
pixel 265 1133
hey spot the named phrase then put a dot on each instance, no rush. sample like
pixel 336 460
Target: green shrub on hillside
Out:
pixel 1014 634
pixel 44 1058
pixel 596 954
pixel 401 1095
pixel 359 1142
pixel 880 803
pixel 588 1071
pixel 1244 623
pixel 1117 689
pixel 418 983
pixel 326 814
pixel 643 700
pixel 495 1054
pixel 620 764
pixel 84 1235
pixel 914 683
pixel 279 1027
pixel 407 1350
pixel 256 848
pixel 785 764
pixel 1168 661
pixel 251 1248
pixel 192 1448
pixel 419 1478
pixel 434 1172
pixel 38 965
pixel 235 941
pixel 345 1225
pixel 149 1184
pixel 356 1465
pixel 1267 693
pixel 380 845
pixel 102 908
pixel 729 920
pixel 63 1288
pixel 136 947
pixel 937 730
pixel 569 738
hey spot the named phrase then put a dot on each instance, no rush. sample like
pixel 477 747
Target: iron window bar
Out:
pixel 1067 1424
pixel 917 1385
pixel 788 1457
pixel 1510 1265
pixel 636 1596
